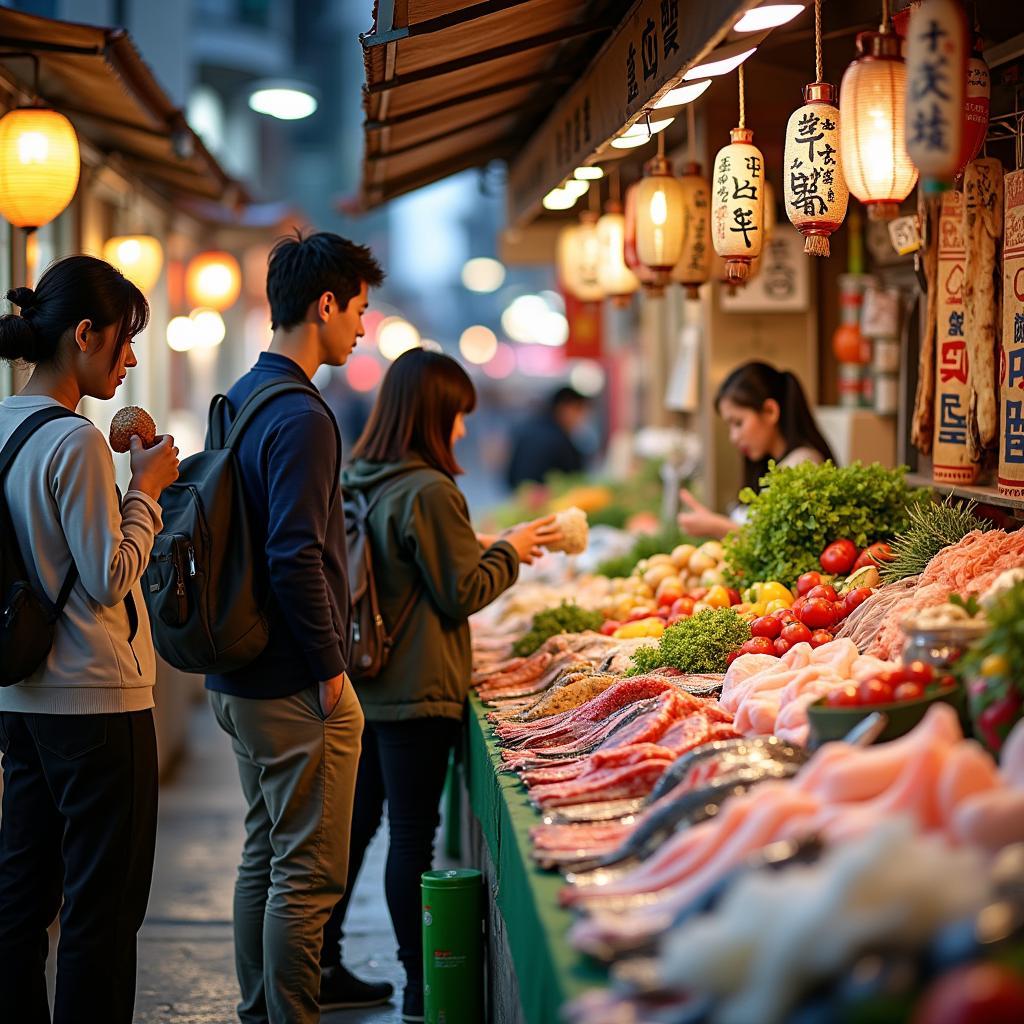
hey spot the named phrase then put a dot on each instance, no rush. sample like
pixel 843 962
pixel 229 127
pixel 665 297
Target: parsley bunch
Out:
pixel 566 618
pixel 800 510
pixel 699 644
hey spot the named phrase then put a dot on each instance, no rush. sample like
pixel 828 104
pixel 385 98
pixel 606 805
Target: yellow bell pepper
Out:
pixel 717 597
pixel 776 606
pixel 652 627
pixel 773 591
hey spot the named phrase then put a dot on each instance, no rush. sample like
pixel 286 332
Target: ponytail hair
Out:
pixel 750 386
pixel 71 290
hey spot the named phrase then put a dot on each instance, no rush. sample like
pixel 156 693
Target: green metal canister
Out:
pixel 453 938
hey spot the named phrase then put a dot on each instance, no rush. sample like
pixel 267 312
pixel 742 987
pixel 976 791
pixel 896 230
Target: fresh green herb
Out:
pixel 969 604
pixel 699 644
pixel 800 510
pixel 652 544
pixel 932 528
pixel 566 618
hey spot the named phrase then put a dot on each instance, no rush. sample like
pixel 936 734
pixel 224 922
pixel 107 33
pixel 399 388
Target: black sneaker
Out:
pixel 412 1003
pixel 342 990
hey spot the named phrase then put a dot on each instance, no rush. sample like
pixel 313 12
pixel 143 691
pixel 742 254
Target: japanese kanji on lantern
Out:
pixel 976 107
pixel 694 266
pixel 951 461
pixel 1011 362
pixel 659 218
pixel 937 45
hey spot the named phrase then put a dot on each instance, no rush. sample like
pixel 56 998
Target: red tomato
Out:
pixel 856 597
pixel 785 616
pixel 979 993
pixel 673 619
pixel 819 614
pixel 797 605
pixel 644 612
pixel 808 582
pixel 734 596
pixel 767 625
pixel 758 645
pixel 824 592
pixel 875 691
pixel 682 606
pixel 782 646
pixel 699 594
pixel 796 633
pixel 821 636
pixel 838 557
pixel 844 697
pixel 608 627
pixel 731 657
pixel 908 691
pixel 917 672
pixel 873 554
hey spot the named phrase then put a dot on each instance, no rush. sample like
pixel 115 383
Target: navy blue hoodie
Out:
pixel 289 461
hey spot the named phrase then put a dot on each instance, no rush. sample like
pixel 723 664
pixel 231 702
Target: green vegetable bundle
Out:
pixel 932 528
pixel 566 618
pixel 800 510
pixel 697 644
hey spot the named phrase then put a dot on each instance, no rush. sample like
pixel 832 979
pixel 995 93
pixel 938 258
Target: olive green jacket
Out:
pixel 421 537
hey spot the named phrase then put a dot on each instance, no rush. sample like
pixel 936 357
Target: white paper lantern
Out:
pixel 615 279
pixel 694 266
pixel 579 257
pixel 737 206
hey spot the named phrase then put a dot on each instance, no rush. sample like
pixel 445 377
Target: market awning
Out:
pixel 451 84
pixel 97 78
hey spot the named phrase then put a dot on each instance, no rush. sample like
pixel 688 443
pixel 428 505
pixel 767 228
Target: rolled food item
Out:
pixel 575 531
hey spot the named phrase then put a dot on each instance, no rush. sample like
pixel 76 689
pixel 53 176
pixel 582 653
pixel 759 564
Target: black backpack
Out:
pixel 207 608
pixel 27 618
pixel 371 642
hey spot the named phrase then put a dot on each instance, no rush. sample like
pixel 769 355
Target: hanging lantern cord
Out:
pixel 691 132
pixel 884 28
pixel 819 69
pixel 613 186
pixel 743 102
pixel 661 145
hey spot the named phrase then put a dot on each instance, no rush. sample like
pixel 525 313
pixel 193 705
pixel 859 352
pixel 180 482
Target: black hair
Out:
pixel 753 384
pixel 71 289
pixel 566 396
pixel 301 269
pixel 415 411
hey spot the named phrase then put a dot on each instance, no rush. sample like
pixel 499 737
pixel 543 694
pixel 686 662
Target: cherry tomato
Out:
pixel 766 625
pixel 758 645
pixel 734 595
pixel 785 616
pixel 796 633
pixel 838 557
pixel 644 611
pixel 856 597
pixel 875 691
pixel 820 637
pixel 918 672
pixel 873 554
pixel 819 614
pixel 824 592
pixel 908 691
pixel 731 657
pixel 782 646
pixel 798 605
pixel 682 606
pixel 844 697
pixel 808 582
pixel 608 627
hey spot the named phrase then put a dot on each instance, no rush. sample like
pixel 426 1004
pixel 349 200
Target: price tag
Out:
pixel 905 234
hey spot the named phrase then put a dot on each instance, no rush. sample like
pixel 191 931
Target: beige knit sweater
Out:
pixel 63 502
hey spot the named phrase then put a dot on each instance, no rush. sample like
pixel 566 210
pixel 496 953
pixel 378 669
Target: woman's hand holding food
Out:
pixel 529 538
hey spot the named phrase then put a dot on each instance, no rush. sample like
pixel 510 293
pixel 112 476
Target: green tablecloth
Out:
pixel 549 971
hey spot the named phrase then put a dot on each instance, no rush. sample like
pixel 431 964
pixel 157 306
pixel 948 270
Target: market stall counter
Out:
pixel 527 926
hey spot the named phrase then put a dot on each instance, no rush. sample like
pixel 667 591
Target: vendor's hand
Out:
pixel 698 520
pixel 330 693
pixel 529 538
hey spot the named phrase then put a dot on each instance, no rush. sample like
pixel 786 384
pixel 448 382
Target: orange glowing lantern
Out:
pixel 139 257
pixel 213 280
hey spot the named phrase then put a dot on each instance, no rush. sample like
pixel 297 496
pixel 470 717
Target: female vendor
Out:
pixel 769 419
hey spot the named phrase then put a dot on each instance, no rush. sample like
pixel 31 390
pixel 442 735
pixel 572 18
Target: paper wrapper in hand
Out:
pixel 575 531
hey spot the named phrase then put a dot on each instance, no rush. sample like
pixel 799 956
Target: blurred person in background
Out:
pixel 546 443
pixel 769 420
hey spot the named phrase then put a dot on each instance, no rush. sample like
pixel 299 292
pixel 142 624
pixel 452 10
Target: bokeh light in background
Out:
pixel 430 345
pixel 181 334
pixel 483 274
pixel 539 361
pixel 587 377
pixel 139 257
pixel 530 319
pixel 363 373
pixel 478 344
pixel 502 363
pixel 396 336
pixel 214 280
pixel 208 328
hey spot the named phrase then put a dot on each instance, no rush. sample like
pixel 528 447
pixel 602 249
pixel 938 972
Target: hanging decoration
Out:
pixel 659 223
pixel 213 280
pixel 1011 361
pixel 644 274
pixel 976 107
pixel 816 196
pixel 579 258
pixel 615 279
pixel 737 211
pixel 937 45
pixel 39 166
pixel 139 257
pixel 872 142
pixel 694 266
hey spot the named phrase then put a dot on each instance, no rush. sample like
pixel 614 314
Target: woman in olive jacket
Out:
pixel 427 559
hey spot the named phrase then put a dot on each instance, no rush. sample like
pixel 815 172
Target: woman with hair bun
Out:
pixel 80 771
pixel 769 420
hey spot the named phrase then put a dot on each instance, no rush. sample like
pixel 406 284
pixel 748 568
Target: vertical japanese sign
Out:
pixel 1011 362
pixel 951 461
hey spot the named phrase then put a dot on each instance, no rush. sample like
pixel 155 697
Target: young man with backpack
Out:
pixel 292 715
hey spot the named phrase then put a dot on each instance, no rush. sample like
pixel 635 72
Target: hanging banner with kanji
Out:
pixel 951 461
pixel 585 328
pixel 1011 361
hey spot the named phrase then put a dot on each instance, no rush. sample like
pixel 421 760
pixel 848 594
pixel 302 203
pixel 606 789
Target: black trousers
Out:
pixel 79 826
pixel 403 764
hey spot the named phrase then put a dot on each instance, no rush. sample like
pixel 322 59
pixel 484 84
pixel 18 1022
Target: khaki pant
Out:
pixel 298 773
